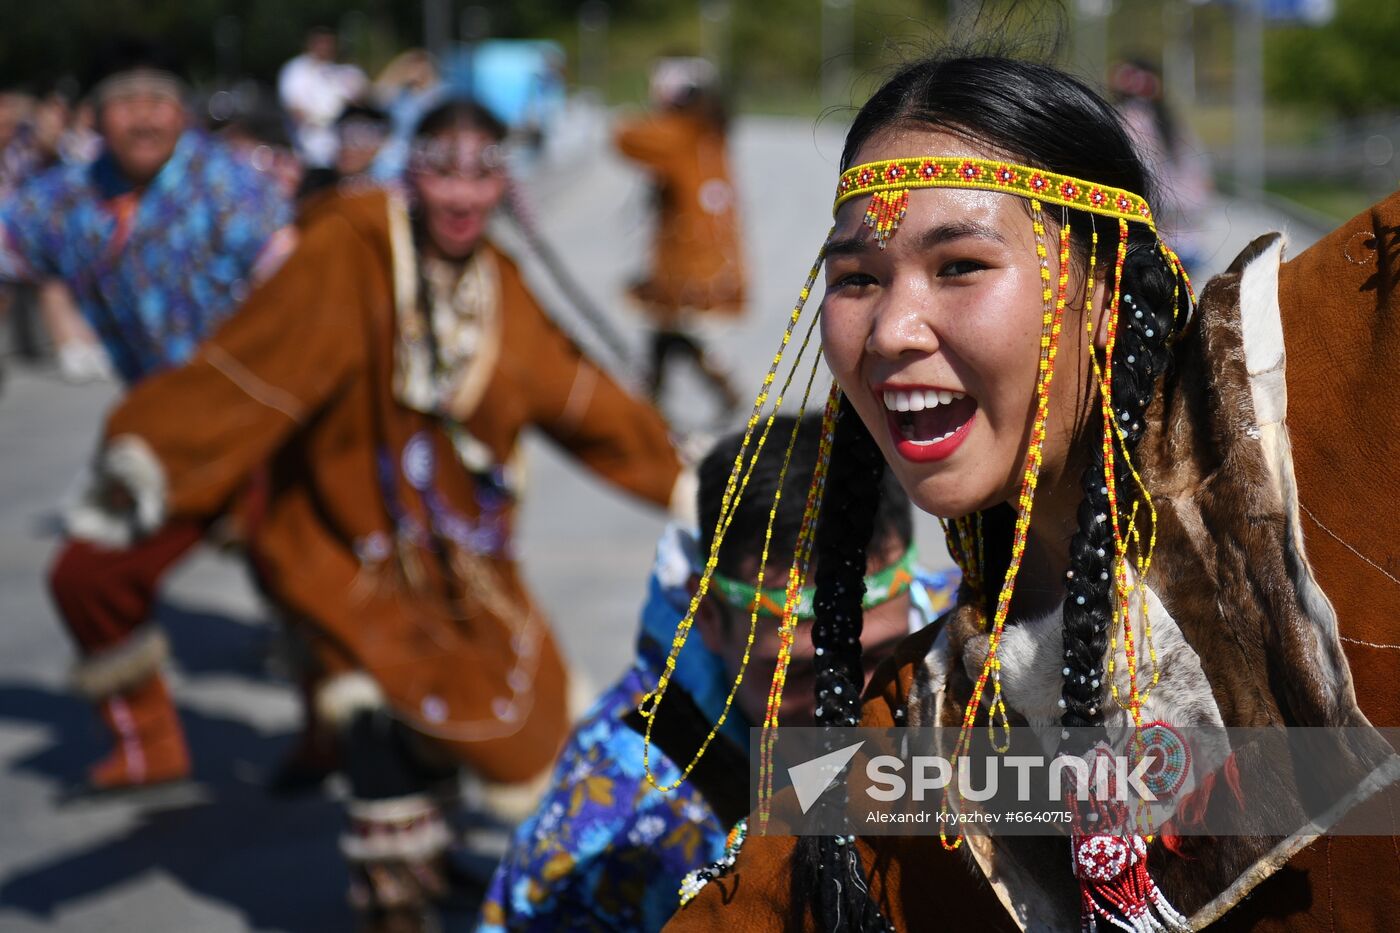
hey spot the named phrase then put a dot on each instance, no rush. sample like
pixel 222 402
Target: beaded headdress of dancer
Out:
pixel 1133 523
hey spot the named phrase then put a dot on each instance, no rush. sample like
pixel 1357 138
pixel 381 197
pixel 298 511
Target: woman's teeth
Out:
pixel 919 399
pixel 908 430
pixel 924 417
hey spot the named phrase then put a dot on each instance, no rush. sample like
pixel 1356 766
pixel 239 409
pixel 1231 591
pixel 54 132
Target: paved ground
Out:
pixel 225 856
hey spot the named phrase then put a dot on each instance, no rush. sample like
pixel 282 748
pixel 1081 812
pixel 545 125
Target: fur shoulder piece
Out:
pixel 1253 640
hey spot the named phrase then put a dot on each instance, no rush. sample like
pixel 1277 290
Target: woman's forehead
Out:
pixel 463 137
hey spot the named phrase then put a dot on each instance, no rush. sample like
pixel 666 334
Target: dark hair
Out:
pixel 706 104
pixel 743 542
pixel 366 113
pixel 459 113
pixel 1040 116
pixel 129 53
pixel 827 869
pixel 263 124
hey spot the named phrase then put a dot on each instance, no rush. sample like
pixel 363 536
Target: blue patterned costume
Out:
pixel 154 286
pixel 604 850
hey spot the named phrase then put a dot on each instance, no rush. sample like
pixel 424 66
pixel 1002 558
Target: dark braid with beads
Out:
pixel 832 873
pixel 1146 320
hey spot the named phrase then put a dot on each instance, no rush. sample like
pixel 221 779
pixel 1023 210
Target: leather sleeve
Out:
pixel 262 375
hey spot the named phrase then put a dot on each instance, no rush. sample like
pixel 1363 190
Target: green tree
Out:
pixel 1348 66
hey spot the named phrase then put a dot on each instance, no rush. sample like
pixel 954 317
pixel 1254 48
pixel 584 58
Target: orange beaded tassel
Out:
pixel 1051 324
pixel 886 211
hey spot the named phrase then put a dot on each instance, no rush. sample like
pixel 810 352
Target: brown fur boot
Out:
pixel 150 744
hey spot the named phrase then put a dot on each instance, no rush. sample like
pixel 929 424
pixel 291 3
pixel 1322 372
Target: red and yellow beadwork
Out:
pixel 890 182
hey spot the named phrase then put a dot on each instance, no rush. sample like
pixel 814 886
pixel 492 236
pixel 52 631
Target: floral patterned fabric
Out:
pixel 153 271
pixel 605 850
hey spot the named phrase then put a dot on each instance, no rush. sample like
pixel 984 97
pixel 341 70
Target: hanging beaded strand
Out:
pixel 964 538
pixel 1112 439
pixel 1125 537
pixel 1112 431
pixel 1051 324
pixel 1128 537
pixel 797 572
pixel 1182 280
pixel 883 216
pixel 683 629
pixel 801 563
pixel 1144 556
pixel 734 488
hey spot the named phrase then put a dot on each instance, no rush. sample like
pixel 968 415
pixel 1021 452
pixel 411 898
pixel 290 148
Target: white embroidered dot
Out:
pixel 434 708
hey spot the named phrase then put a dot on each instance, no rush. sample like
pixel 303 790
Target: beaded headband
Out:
pixel 1133 523
pixel 889 183
pixel 439 156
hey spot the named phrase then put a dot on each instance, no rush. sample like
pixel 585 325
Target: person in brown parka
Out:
pixel 697 270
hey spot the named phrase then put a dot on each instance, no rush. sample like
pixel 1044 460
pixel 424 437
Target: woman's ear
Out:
pixel 713 632
pixel 708 619
pixel 1101 298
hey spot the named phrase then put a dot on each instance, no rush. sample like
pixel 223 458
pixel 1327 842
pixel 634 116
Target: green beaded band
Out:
pixel 880 587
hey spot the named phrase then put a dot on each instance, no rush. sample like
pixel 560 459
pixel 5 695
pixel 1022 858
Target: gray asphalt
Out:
pixel 223 855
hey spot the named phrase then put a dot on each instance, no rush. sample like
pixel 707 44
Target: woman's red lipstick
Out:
pixel 932 431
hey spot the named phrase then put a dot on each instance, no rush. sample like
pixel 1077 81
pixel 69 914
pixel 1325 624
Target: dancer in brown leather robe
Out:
pixel 386 374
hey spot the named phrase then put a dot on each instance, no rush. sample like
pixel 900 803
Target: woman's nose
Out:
pixel 904 322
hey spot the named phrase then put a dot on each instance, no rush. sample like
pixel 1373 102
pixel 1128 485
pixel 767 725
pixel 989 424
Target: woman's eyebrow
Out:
pixel 957 230
pixel 863 242
pixel 849 246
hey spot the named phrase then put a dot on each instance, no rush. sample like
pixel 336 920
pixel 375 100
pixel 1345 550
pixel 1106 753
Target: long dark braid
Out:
pixel 831 877
pixel 1146 321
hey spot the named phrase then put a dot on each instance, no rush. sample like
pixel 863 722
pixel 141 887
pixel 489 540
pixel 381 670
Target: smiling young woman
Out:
pixel 1012 339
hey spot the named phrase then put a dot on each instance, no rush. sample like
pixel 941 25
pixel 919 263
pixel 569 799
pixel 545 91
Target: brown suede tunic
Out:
pixel 301 378
pixel 1339 307
pixel 697 263
pixel 1341 324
